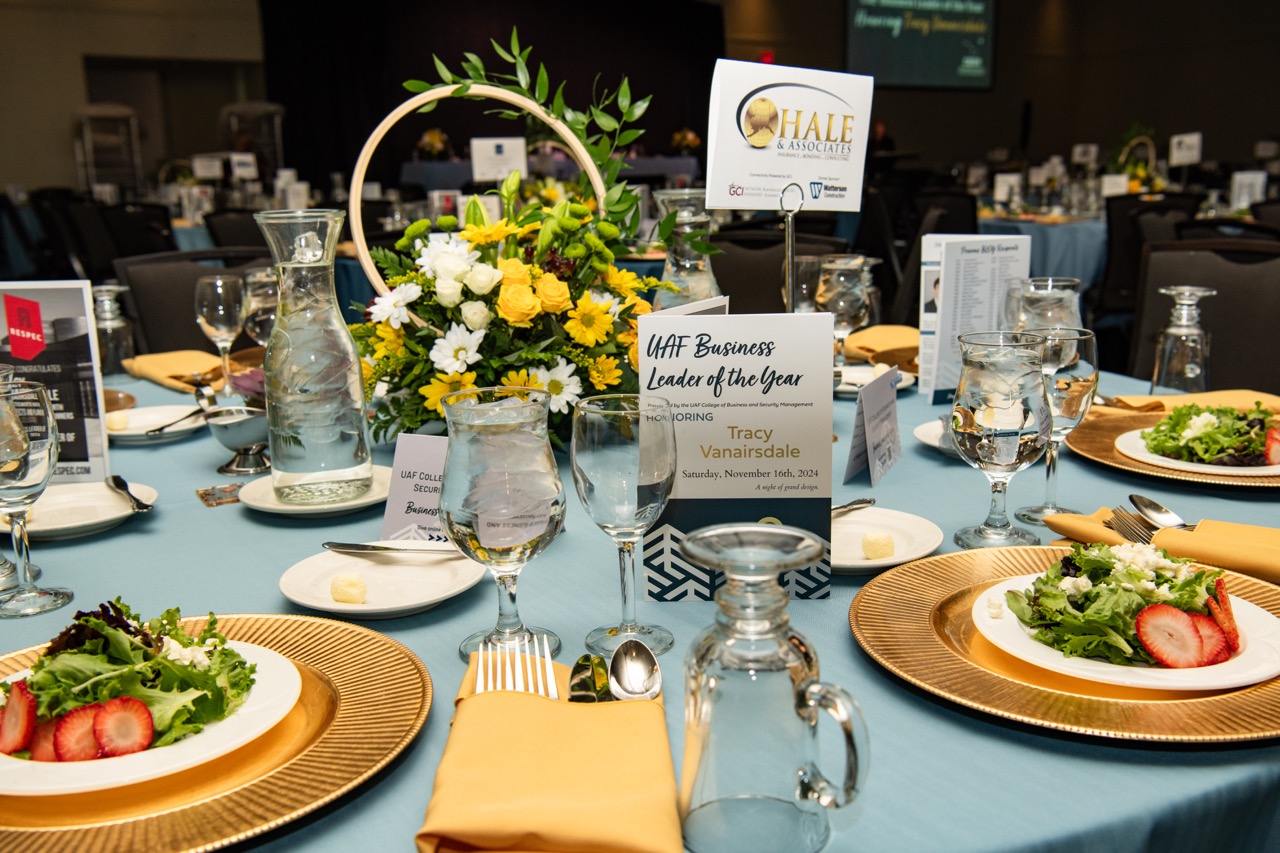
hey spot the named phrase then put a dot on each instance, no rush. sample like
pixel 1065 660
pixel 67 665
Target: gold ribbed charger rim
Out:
pixel 364 699
pixel 1095 439
pixel 916 622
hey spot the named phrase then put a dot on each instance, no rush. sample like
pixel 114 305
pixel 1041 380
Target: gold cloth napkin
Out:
pixel 178 370
pixel 864 343
pixel 1246 548
pixel 524 773
pixel 1236 398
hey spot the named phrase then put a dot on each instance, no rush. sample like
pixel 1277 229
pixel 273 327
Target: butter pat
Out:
pixel 881 369
pixel 347 589
pixel 876 545
pixel 117 420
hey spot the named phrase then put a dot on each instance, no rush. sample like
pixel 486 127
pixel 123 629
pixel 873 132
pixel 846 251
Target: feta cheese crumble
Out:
pixel 1076 585
pixel 194 656
pixel 995 607
pixel 1198 425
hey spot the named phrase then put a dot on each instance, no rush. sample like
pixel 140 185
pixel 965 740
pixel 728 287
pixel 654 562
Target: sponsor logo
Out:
pixel 815 189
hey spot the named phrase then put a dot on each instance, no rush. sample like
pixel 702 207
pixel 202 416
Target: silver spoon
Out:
pixel 856 503
pixel 1157 514
pixel 118 484
pixel 634 672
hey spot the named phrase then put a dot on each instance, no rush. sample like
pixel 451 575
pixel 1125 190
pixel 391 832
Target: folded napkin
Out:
pixel 524 773
pixel 864 343
pixel 1246 548
pixel 1236 399
pixel 179 370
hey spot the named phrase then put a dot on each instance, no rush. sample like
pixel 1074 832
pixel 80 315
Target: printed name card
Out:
pixel 1084 153
pixel 206 167
pixel 751 397
pixel 1246 188
pixel 493 158
pixel 1115 185
pixel 1184 149
pixel 771 126
pixel 876 443
pixel 244 166
pixel 413 498
pixel 1008 185
pixel 53 341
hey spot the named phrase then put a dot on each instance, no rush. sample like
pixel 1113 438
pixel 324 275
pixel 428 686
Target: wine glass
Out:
pixel 28 452
pixel 1000 423
pixel 1070 368
pixel 624 464
pixel 218 302
pixel 261 299
pixel 845 290
pixel 1182 354
pixel 1042 302
pixel 501 496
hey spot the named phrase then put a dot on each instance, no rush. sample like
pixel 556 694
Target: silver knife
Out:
pixel 361 548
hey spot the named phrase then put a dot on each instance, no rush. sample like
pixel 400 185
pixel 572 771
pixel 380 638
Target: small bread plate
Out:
pixel 1258 659
pixel 68 510
pixel 277 684
pixel 1132 445
pixel 913 537
pixel 933 434
pixel 150 417
pixel 396 583
pixel 258 494
pixel 854 376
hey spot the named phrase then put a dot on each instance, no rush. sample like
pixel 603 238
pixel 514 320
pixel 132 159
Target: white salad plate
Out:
pixel 1258 658
pixel 276 687
pixel 1131 445
pixel 68 510
pixel 258 494
pixel 913 537
pixel 854 376
pixel 933 434
pixel 396 584
pixel 150 417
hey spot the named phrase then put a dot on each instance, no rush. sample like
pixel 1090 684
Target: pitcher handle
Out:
pixel 837 702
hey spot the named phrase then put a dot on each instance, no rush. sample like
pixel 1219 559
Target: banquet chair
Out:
pixel 1225 229
pixel 56 245
pixel 960 209
pixel 906 303
pixel 1244 347
pixel 1266 211
pixel 748 267
pixel 875 239
pixel 139 229
pixel 91 242
pixel 160 300
pixel 234 228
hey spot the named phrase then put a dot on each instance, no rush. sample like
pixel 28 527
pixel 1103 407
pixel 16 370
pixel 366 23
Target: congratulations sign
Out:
pixel 772 126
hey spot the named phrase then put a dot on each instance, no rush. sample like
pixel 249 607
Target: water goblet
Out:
pixel 1000 423
pixel 1182 353
pixel 1042 302
pixel 261 300
pixel 28 452
pixel 501 498
pixel 1070 368
pixel 844 289
pixel 218 303
pixel 624 464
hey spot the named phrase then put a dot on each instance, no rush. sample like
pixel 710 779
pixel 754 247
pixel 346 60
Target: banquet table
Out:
pixel 1076 248
pixel 941 777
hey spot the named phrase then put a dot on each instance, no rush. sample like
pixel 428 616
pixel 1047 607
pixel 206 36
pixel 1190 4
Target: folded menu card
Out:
pixel 521 772
pixel 1246 548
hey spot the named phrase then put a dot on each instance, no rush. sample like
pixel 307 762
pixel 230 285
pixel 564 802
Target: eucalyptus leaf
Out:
pixel 638 108
pixel 497 48
pixel 417 85
pixel 606 122
pixel 544 83
pixel 624 95
pixel 428 106
pixel 443 70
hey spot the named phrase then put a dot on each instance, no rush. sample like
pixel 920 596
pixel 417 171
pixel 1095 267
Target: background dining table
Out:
pixel 942 777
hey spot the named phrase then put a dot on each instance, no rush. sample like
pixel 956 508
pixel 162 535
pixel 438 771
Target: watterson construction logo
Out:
pixel 802 120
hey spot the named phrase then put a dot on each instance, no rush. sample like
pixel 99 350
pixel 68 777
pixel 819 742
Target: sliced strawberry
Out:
pixel 123 726
pixel 1225 614
pixel 19 719
pixel 73 738
pixel 41 744
pixel 1170 636
pixel 1216 649
pixel 1273 446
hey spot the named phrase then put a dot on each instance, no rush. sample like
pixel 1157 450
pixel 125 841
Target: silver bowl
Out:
pixel 243 431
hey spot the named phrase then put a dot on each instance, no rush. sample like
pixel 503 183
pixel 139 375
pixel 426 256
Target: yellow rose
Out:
pixel 554 294
pixel 514 272
pixel 517 303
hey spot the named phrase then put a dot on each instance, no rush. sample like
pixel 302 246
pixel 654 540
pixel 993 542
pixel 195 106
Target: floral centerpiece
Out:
pixel 434 143
pixel 685 141
pixel 534 299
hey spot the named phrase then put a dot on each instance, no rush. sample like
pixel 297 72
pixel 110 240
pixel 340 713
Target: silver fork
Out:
pixel 1127 525
pixel 524 669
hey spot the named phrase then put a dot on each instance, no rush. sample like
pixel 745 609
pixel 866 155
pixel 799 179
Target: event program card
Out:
pixel 50 338
pixel 875 443
pixel 751 396
pixel 413 498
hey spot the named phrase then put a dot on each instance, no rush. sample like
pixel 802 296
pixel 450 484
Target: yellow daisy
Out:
pixel 603 372
pixel 486 235
pixel 444 385
pixel 519 379
pixel 589 323
pixel 389 341
pixel 621 282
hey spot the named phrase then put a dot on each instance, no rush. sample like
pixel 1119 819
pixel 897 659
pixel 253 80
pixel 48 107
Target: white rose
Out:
pixel 450 266
pixel 476 315
pixel 482 278
pixel 448 291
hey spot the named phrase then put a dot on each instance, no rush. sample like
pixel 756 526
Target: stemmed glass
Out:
pixel 1182 354
pixel 501 496
pixel 1070 368
pixel 28 452
pixel 1000 423
pixel 845 289
pixel 260 302
pixel 218 302
pixel 1042 302
pixel 624 464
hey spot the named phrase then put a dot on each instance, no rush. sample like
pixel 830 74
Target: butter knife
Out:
pixel 361 548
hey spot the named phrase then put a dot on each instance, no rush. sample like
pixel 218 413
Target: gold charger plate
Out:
pixel 364 699
pixel 916 622
pixel 1095 439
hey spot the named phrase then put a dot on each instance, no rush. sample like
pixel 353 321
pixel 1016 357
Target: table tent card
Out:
pixel 1247 188
pixel 493 158
pixel 1184 149
pixel 963 281
pixel 1115 185
pixel 413 498
pixel 771 126
pixel 50 338
pixel 751 397
pixel 1084 154
pixel 876 444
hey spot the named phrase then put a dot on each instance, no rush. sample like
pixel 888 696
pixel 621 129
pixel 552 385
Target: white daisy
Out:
pixel 441 245
pixel 394 306
pixel 601 297
pixel 458 349
pixel 562 384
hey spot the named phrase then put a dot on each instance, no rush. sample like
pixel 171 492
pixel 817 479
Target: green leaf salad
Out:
pixel 185 681
pixel 1086 604
pixel 1217 435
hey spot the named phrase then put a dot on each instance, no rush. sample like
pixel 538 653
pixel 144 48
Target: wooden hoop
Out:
pixel 575 147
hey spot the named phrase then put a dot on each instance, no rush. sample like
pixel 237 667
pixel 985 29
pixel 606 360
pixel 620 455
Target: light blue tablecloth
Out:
pixel 942 778
pixel 1073 249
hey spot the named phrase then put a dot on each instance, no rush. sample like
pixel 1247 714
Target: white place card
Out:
pixel 771 126
pixel 206 167
pixel 1247 188
pixel 493 158
pixel 875 443
pixel 1084 153
pixel 751 396
pixel 413 498
pixel 369 191
pixel 1184 148
pixel 244 166
pixel 297 196
pixel 1007 186
pixel 1115 185
pixel 52 340
pixel 1037 176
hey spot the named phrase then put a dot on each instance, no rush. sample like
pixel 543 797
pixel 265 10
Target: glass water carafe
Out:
pixel 315 397
pixel 750 779
pixel 115 333
pixel 686 267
